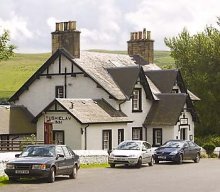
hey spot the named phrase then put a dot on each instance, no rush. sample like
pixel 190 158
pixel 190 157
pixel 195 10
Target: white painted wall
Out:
pixel 137 117
pixel 71 128
pixel 42 91
pixel 94 134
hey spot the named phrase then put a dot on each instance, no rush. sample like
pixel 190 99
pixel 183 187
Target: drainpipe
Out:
pixel 86 136
pixel 119 106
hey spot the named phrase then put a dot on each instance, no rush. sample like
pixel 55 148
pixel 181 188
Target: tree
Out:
pixel 6 50
pixel 198 58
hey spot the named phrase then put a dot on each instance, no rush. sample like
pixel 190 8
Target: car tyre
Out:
pixel 139 163
pixel 157 161
pixel 197 159
pixel 151 162
pixel 73 175
pixel 112 165
pixel 180 159
pixel 51 177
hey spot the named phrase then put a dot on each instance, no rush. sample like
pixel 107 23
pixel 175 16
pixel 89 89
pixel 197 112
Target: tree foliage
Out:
pixel 198 58
pixel 6 49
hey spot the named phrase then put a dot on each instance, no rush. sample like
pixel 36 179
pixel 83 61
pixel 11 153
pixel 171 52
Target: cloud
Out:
pixel 103 24
pixel 17 27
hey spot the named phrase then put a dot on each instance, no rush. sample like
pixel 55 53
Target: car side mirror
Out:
pixel 17 155
pixel 60 155
pixel 109 151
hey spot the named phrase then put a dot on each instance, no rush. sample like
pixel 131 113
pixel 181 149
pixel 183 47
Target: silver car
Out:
pixel 132 152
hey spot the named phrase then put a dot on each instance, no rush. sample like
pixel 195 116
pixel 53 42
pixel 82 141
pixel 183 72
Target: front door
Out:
pixel 183 133
pixel 48 133
pixel 106 139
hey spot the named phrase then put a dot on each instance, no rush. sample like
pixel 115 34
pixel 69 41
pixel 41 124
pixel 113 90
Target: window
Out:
pixel 157 137
pixel 107 139
pixel 137 133
pixel 59 150
pixel 120 135
pixel 58 137
pixel 66 152
pixel 136 100
pixel 175 91
pixel 59 92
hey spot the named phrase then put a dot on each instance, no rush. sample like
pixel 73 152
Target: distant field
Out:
pixel 15 72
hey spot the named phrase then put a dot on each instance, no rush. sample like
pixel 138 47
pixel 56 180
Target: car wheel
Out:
pixel 112 165
pixel 151 162
pixel 197 159
pixel 73 175
pixel 139 163
pixel 51 177
pixel 180 159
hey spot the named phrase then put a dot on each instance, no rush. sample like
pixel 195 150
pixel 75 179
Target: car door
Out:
pixel 193 150
pixel 68 161
pixel 187 152
pixel 146 152
pixel 60 161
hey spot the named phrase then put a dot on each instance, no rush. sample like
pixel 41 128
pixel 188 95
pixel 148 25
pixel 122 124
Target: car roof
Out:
pixel 135 141
pixel 45 145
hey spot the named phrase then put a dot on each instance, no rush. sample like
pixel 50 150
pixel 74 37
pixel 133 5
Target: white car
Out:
pixel 132 152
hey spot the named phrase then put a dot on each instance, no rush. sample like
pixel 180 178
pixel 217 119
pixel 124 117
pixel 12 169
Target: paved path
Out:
pixel 165 177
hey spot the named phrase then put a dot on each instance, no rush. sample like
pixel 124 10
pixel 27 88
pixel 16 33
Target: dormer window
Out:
pixel 59 92
pixel 137 100
pixel 175 91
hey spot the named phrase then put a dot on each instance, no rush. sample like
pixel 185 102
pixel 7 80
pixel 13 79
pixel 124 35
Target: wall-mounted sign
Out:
pixel 57 119
pixel 183 121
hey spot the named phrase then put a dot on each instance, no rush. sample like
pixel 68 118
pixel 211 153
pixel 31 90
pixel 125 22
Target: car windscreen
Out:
pixel 129 146
pixel 39 151
pixel 173 144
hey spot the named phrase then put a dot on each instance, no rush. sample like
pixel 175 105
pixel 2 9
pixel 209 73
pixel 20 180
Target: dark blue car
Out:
pixel 177 151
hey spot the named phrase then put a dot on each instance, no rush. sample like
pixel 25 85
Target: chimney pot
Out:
pixel 144 33
pixel 57 26
pixel 66 27
pixel 61 26
pixel 148 35
pixel 72 25
pixel 140 35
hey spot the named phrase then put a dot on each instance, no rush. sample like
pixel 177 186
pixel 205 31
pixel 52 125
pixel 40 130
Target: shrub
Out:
pixel 31 140
pixel 209 147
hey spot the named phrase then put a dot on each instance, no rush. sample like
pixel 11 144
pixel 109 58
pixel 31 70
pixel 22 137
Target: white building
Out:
pixel 93 100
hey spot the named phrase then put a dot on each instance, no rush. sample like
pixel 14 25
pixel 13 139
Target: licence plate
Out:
pixel 22 171
pixel 162 157
pixel 121 159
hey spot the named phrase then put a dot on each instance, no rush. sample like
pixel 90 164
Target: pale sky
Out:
pixel 104 24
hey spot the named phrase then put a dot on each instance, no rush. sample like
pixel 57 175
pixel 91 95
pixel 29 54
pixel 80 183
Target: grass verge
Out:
pixel 3 180
pixel 103 165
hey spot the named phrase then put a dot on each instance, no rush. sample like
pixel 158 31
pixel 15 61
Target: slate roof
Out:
pixel 15 119
pixel 163 79
pixel 90 111
pixel 167 110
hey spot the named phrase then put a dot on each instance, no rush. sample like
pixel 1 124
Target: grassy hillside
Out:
pixel 15 72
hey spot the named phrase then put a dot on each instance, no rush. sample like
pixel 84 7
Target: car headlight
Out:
pixel 112 155
pixel 174 152
pixel 132 155
pixel 41 166
pixel 10 166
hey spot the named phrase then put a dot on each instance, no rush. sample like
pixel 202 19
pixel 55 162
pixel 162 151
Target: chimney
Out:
pixel 140 43
pixel 66 36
